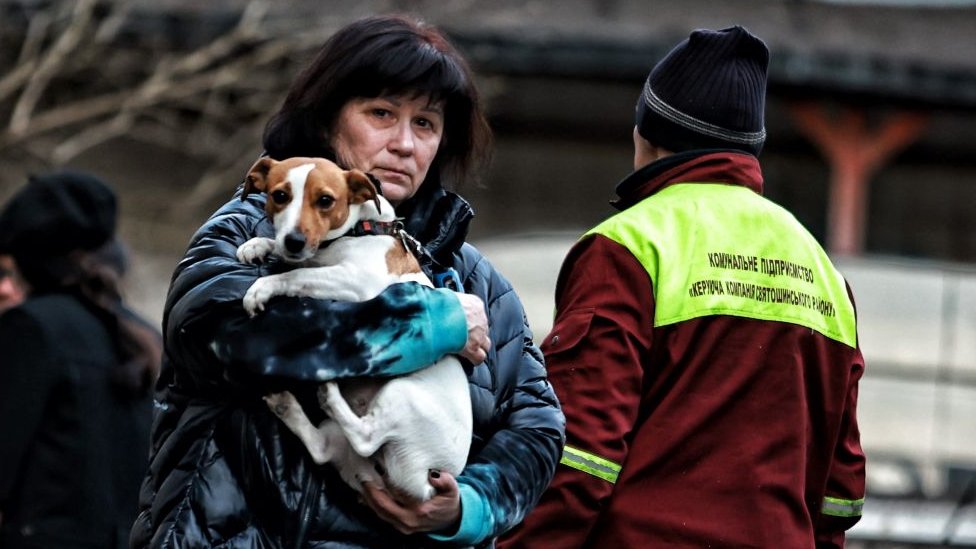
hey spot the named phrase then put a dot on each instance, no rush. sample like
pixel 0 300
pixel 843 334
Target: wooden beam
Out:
pixel 855 151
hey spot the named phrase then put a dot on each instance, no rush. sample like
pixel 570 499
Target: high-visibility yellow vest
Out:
pixel 717 249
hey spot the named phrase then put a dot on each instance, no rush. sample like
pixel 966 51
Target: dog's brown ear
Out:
pixel 361 188
pixel 257 176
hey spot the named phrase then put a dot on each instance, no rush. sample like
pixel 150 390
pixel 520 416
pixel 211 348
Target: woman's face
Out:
pixel 12 290
pixel 395 138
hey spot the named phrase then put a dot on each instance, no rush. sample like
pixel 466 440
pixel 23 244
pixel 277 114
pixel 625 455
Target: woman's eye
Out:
pixel 381 113
pixel 279 197
pixel 325 202
pixel 429 124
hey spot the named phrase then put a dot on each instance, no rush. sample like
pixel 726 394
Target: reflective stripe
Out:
pixel 837 507
pixel 590 464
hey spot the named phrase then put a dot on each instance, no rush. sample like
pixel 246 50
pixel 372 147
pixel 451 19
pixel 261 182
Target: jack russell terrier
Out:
pixel 399 427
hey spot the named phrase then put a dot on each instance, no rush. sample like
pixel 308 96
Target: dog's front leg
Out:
pixel 255 250
pixel 307 282
pixel 264 289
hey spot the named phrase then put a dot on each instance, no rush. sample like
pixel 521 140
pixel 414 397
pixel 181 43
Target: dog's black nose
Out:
pixel 295 242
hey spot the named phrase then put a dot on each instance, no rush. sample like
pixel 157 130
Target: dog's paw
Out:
pixel 255 250
pixel 258 294
pixel 282 404
pixel 329 395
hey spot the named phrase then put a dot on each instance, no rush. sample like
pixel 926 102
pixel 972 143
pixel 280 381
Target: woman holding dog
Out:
pixel 389 96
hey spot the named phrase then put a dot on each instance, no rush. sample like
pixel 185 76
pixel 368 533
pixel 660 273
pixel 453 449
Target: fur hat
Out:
pixel 708 92
pixel 58 213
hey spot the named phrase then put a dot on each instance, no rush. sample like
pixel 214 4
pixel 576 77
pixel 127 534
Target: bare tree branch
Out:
pixel 30 51
pixel 91 137
pixel 50 64
pixel 88 72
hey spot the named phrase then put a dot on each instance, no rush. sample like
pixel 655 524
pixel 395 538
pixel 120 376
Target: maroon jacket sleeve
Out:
pixel 844 496
pixel 594 355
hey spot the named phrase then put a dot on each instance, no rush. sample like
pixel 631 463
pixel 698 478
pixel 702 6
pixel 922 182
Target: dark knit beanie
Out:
pixel 708 92
pixel 57 213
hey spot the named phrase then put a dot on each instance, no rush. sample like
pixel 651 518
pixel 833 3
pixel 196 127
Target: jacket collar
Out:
pixel 438 218
pixel 711 165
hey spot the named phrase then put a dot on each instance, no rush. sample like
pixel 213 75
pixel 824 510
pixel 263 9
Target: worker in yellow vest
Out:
pixel 704 347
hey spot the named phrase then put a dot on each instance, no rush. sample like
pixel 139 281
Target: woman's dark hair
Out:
pixel 95 277
pixel 385 55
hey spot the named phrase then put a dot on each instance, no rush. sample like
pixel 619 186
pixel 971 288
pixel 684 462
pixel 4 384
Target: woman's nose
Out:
pixel 402 141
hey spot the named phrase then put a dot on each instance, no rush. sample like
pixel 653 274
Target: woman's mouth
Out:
pixel 393 174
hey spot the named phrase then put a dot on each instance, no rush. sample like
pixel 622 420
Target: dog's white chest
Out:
pixel 362 266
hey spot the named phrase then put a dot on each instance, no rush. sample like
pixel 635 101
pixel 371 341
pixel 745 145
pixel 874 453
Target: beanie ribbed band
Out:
pixel 709 91
pixel 700 126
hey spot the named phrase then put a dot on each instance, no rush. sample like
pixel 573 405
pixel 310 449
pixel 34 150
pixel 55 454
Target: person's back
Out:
pixel 749 380
pixel 72 487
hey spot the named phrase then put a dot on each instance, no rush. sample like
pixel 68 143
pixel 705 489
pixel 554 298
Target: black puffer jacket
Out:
pixel 225 472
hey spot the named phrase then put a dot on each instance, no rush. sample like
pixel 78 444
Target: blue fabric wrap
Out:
pixel 477 519
pixel 405 328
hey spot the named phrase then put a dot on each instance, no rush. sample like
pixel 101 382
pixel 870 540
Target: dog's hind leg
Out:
pixel 320 441
pixel 365 434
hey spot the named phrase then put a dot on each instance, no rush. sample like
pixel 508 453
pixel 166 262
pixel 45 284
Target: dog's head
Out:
pixel 310 201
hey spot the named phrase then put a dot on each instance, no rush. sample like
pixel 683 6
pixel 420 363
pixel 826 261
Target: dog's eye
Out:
pixel 279 197
pixel 325 202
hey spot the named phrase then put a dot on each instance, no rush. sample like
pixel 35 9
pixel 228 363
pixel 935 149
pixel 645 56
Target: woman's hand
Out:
pixel 476 349
pixel 441 512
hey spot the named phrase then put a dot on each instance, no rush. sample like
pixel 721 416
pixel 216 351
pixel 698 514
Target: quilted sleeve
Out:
pixel 505 476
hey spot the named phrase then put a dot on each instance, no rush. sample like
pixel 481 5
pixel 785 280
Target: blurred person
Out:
pixel 704 347
pixel 12 290
pixel 77 374
pixel 390 96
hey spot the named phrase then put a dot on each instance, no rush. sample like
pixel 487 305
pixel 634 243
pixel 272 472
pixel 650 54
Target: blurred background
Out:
pixel 871 119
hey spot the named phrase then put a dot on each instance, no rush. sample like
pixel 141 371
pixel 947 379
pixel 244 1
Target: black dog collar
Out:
pixel 390 228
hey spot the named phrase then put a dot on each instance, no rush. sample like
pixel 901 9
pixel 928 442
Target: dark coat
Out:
pixel 73 450
pixel 226 472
